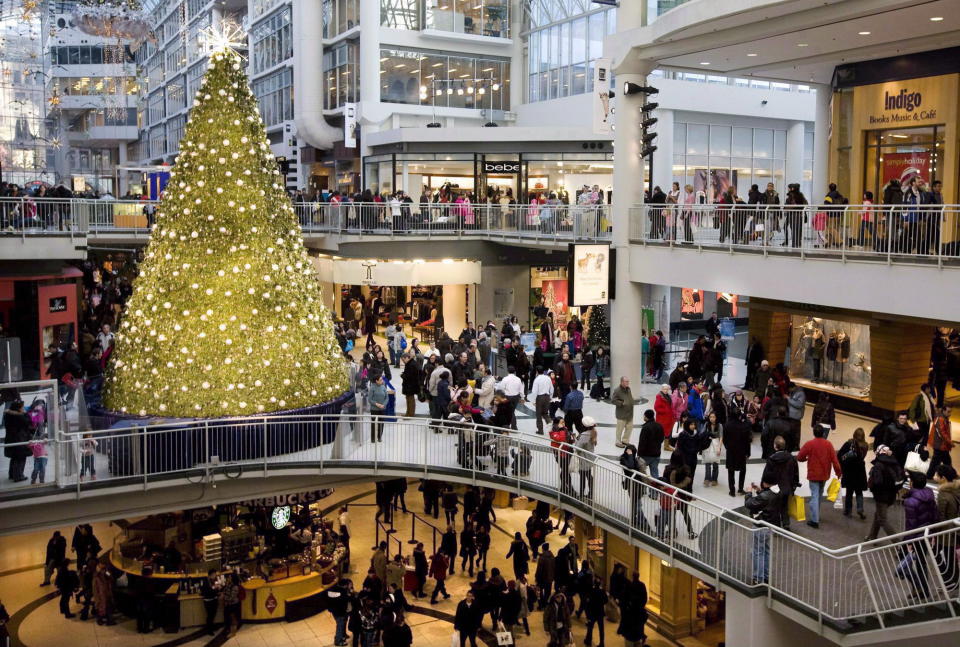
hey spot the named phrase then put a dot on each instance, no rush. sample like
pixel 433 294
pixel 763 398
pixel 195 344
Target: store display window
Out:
pixel 691 304
pixel 902 155
pixel 548 293
pixel 831 355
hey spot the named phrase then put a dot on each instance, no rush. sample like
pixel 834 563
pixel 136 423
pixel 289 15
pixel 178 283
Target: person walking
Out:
pixel 377 397
pixel 411 377
pixel 852 456
pixel 56 553
pixel 634 615
pixel 737 440
pixel 544 575
pixel 438 571
pixel 763 503
pixel 542 392
pixel 18 434
pixel 922 410
pixel 468 548
pixel 783 471
pixel 420 570
pixel 884 481
pixel 450 503
pixel 796 405
pixel 467 619
pixel 595 609
pixel 210 594
pixel 941 440
pixel 67 583
pixel 586 445
pixel 712 442
pixel 650 443
pixel 663 408
pixel 573 408
pixel 448 546
pixel 556 621
pixel 919 511
pixel 822 456
pixel 622 399
pixel 521 555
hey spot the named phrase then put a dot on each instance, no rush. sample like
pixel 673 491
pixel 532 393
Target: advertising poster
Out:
pixel 905 166
pixel 554 292
pixel 714 182
pixel 728 329
pixel 591 275
pixel 691 303
pixel 727 305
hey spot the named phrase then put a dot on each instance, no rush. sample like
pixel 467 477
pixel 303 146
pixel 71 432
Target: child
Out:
pixel 88 447
pixel 38 446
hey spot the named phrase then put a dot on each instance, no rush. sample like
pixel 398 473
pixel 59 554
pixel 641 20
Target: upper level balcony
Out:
pixel 895 259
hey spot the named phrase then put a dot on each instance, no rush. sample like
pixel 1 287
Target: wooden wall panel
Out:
pixel 772 329
pixel 900 360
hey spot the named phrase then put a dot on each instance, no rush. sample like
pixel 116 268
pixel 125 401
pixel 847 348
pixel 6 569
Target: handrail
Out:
pixel 29 216
pixel 816 579
pixel 927 233
pixel 434 531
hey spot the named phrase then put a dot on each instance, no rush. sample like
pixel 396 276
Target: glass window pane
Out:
pixel 780 144
pixel 579 43
pixel 762 142
pixel 680 137
pixel 720 140
pixel 742 143
pixel 697 136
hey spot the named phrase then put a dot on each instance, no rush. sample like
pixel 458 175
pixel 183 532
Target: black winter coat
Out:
pixel 737 436
pixel 854 468
pixel 411 377
pixel 651 439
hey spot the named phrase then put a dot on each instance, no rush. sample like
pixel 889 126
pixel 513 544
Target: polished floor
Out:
pixel 39 624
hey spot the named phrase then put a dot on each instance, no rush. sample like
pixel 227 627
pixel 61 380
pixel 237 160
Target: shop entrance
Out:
pixel 902 155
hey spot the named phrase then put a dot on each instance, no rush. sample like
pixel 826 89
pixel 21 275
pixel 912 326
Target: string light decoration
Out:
pixel 225 317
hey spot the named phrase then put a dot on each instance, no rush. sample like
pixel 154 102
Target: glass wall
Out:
pixel 433 78
pixel 340 68
pixel 714 157
pixel 272 40
pixel 275 94
pixel 400 14
pixel 902 155
pixel 156 110
pixel 175 132
pixel 477 17
pixel 176 100
pixel 96 85
pixel 90 55
pixel 564 40
pixel 340 16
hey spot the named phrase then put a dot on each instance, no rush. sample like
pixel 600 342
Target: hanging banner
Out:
pixel 349 125
pixel 591 275
pixel 602 110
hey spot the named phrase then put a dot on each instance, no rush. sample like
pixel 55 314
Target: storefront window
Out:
pixel 831 355
pixel 434 79
pixel 902 155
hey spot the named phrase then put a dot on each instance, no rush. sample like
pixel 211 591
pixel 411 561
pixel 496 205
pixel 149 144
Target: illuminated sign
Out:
pixel 590 275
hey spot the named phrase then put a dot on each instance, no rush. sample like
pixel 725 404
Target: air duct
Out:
pixel 308 77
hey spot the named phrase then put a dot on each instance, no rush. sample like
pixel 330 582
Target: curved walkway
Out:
pixel 833 586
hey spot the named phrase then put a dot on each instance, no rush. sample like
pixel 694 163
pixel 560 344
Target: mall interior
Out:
pixel 320 320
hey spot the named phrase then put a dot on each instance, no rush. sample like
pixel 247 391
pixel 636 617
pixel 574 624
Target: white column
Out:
pixel 369 61
pixel 663 157
pixel 794 163
pixel 821 143
pixel 122 184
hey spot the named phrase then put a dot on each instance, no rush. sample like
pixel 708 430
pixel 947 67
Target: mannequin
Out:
pixel 833 347
pixel 817 346
pixel 844 351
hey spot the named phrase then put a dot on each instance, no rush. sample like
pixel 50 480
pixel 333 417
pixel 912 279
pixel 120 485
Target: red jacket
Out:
pixel 663 407
pixel 438 567
pixel 821 454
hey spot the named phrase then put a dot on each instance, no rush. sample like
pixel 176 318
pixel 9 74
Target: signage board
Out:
pixel 58 304
pixel 602 110
pixel 907 103
pixel 728 329
pixel 349 125
pixel 590 275
pixel 501 167
pixel 280 517
pixel 297 498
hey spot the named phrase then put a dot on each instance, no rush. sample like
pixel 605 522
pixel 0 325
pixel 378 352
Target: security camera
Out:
pixel 763 103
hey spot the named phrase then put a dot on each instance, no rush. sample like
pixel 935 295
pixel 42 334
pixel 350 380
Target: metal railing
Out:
pixel 865 581
pixel 50 216
pixel 924 234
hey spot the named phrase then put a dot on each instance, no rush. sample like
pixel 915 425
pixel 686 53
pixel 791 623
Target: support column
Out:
pixel 821 143
pixel 122 183
pixel 794 170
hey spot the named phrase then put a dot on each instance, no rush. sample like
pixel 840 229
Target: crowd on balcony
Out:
pixel 907 220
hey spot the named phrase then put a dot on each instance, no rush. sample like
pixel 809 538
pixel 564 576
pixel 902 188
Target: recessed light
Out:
pixel 752 54
pixel 704 62
pixel 864 33
pixel 936 19
pixel 802 44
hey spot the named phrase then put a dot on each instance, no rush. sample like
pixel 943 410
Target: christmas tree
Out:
pixel 225 317
pixel 599 332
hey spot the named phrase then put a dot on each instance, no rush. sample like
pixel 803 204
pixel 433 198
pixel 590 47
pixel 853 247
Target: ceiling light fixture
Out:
pixel 937 19
pixel 802 44
pixel 704 62
pixel 864 33
pixel 751 54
